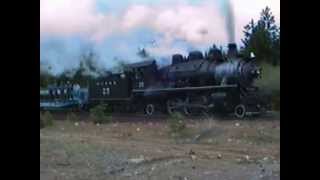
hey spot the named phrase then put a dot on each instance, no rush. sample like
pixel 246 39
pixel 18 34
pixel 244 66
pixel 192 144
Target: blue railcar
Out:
pixel 60 98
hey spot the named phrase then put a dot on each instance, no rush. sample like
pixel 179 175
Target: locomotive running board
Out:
pixel 110 99
pixel 184 88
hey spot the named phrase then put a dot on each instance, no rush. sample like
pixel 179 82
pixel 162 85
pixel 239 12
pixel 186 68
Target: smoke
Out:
pixel 230 24
pixel 176 27
pixel 194 23
pixel 58 55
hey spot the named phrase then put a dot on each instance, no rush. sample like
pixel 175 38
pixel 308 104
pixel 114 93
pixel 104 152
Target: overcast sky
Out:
pixel 118 28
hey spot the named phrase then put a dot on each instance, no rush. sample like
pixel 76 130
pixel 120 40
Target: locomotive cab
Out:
pixel 109 88
pixel 144 74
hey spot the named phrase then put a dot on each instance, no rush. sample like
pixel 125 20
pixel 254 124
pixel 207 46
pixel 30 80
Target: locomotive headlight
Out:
pixel 252 55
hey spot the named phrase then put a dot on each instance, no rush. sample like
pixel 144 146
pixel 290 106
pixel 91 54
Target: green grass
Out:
pixel 46 119
pixel 101 114
pixel 177 125
pixel 270 83
pixel 270 78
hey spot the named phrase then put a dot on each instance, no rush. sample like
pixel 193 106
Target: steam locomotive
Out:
pixel 192 85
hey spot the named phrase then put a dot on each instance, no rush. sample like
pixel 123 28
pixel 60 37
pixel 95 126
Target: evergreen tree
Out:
pixel 45 77
pixel 263 38
pixel 79 74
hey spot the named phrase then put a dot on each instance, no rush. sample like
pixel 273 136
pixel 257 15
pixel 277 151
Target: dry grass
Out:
pixel 72 117
pixel 89 151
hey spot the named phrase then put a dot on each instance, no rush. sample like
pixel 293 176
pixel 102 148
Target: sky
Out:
pixel 119 28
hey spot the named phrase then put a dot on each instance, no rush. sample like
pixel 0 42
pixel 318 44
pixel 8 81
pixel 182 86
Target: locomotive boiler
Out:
pixel 197 70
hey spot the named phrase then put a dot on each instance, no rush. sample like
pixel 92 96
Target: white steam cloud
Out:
pixel 230 24
pixel 198 25
pixel 193 23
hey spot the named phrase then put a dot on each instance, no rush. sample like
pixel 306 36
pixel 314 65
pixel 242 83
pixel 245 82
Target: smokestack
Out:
pixel 232 50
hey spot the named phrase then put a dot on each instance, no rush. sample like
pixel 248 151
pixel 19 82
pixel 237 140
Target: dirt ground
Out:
pixel 140 148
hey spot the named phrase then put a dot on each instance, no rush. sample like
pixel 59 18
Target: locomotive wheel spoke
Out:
pixel 195 106
pixel 187 110
pixel 174 105
pixel 170 106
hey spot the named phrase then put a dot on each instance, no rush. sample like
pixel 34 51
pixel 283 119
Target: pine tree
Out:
pixel 263 38
pixel 248 31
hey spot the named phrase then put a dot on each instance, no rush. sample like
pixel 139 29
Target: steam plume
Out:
pixel 230 24
pixel 195 24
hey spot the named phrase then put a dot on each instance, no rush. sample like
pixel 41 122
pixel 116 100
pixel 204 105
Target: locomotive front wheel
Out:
pixel 149 109
pixel 240 111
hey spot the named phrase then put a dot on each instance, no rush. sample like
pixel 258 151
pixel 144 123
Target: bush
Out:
pixel 101 114
pixel 270 80
pixel 176 123
pixel 276 102
pixel 72 117
pixel 41 121
pixel 46 119
pixel 270 83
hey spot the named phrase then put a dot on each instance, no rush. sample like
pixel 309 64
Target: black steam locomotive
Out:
pixel 191 85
